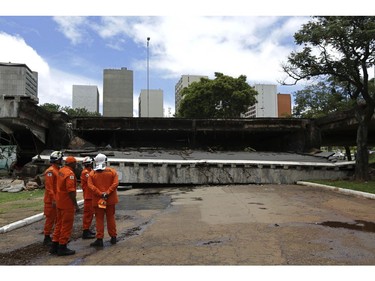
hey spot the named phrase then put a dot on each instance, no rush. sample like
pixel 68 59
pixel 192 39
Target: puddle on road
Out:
pixel 144 201
pixel 255 203
pixel 359 225
pixel 216 242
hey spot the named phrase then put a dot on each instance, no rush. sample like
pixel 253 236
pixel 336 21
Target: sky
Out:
pixel 68 43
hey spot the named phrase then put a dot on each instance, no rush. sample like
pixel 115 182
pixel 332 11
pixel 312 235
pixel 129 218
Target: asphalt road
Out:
pixel 219 225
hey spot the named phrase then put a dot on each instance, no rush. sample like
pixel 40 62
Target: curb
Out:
pixel 339 190
pixel 26 221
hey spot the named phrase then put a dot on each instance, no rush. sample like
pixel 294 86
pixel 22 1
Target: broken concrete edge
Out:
pixel 338 189
pixel 26 221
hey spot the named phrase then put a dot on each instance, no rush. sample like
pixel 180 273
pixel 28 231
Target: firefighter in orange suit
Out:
pixel 88 209
pixel 50 176
pixel 103 182
pixel 66 203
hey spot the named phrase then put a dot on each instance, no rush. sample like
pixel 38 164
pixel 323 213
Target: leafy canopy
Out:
pixel 72 112
pixel 320 99
pixel 222 97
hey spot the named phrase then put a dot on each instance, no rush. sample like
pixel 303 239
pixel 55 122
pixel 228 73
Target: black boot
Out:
pixel 65 251
pixel 47 240
pixel 92 232
pixel 54 248
pixel 113 240
pixel 97 243
pixel 87 234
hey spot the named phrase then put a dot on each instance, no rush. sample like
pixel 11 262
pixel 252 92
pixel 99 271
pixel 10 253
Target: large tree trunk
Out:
pixel 363 116
pixel 362 167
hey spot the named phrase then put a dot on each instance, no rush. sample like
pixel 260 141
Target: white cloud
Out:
pixel 71 28
pixel 14 49
pixel 253 46
pixel 54 86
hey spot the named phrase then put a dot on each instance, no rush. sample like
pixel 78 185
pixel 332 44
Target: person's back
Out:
pixel 103 182
pixel 50 178
pixel 88 210
pixel 66 207
pixel 66 182
pixel 50 185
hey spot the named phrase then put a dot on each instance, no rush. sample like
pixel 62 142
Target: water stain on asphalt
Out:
pixel 209 243
pixel 359 225
pixel 255 203
pixel 144 201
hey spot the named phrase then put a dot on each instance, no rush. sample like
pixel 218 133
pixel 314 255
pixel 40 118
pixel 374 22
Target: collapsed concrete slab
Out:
pixel 201 167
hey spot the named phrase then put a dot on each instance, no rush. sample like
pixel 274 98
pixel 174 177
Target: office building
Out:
pixel 118 92
pixel 18 81
pixel 184 82
pixel 284 105
pixel 150 103
pixel 86 96
pixel 269 103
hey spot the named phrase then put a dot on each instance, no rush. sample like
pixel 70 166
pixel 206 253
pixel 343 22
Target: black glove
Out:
pixel 105 196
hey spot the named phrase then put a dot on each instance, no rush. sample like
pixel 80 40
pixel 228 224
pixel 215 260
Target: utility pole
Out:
pixel 148 80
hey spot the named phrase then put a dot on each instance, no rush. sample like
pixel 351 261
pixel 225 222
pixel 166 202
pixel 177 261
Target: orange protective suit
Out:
pixel 66 183
pixel 88 209
pixel 50 211
pixel 104 181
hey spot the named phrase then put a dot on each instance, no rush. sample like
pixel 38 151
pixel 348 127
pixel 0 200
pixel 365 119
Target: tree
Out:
pixel 342 48
pixel 222 97
pixel 318 100
pixel 51 107
pixel 72 112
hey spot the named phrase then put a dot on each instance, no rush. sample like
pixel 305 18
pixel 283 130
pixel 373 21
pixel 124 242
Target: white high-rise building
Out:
pixel 266 105
pixel 184 82
pixel 86 96
pixel 150 103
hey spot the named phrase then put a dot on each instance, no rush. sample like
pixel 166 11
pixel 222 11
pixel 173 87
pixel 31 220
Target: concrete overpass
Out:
pixel 260 134
pixel 34 129
pixel 31 128
pixel 37 132
pixel 340 129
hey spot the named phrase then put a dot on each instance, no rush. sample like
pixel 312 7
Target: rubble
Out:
pixel 18 185
pixel 12 185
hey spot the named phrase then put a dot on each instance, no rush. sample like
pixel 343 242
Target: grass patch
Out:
pixel 23 195
pixel 36 206
pixel 21 203
pixel 368 187
pixel 24 204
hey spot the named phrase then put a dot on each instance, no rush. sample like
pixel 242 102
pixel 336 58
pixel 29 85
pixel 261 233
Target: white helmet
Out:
pixel 100 161
pixel 56 156
pixel 87 160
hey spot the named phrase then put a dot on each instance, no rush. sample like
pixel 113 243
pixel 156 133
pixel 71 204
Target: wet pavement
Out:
pixel 218 225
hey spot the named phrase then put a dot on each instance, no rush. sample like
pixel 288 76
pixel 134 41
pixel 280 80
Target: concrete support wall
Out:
pixel 224 173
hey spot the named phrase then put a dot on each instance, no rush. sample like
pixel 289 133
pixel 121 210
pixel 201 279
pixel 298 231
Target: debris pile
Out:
pixel 18 185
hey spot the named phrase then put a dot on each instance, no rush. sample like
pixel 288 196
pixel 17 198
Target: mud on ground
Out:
pixel 14 254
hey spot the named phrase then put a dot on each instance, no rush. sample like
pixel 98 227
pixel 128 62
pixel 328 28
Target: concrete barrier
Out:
pixel 340 190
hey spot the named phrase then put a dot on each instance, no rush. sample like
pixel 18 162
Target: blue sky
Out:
pixel 69 46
